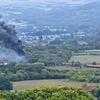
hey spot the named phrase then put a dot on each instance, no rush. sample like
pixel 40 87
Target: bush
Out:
pixel 5 84
pixel 96 93
pixel 58 93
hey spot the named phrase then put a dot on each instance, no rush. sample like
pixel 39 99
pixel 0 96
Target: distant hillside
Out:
pixel 79 15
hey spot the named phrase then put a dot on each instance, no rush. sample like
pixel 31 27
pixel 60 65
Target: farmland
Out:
pixel 63 76
pixel 87 56
pixel 21 85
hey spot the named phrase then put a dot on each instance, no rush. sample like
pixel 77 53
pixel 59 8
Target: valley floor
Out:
pixel 21 85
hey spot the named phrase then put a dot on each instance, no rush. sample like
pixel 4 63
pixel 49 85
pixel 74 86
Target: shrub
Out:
pixel 54 93
pixel 5 84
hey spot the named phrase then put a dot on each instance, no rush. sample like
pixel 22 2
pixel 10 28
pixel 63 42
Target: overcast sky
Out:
pixel 45 1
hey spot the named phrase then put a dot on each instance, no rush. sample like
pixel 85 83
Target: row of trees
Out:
pixel 30 71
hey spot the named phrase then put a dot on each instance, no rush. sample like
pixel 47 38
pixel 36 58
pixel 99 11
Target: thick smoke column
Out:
pixel 9 38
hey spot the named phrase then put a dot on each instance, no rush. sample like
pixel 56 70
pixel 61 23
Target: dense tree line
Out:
pixel 33 71
pixel 18 72
pixel 50 55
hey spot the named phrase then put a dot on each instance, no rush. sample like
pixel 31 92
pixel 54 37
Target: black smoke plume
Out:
pixel 8 36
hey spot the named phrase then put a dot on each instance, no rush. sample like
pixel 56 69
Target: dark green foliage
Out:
pixel 51 55
pixel 96 93
pixel 5 84
pixel 31 71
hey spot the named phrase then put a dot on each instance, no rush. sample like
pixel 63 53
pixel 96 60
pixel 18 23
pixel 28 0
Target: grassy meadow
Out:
pixel 86 56
pixel 22 85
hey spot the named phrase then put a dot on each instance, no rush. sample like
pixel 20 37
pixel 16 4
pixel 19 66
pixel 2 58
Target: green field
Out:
pixel 48 83
pixel 86 58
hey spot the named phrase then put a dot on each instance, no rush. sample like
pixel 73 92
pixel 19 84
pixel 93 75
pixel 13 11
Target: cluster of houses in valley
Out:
pixel 47 38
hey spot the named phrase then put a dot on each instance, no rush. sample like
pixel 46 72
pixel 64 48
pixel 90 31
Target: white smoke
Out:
pixel 8 55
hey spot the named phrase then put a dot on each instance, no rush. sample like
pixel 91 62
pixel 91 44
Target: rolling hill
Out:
pixel 31 15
